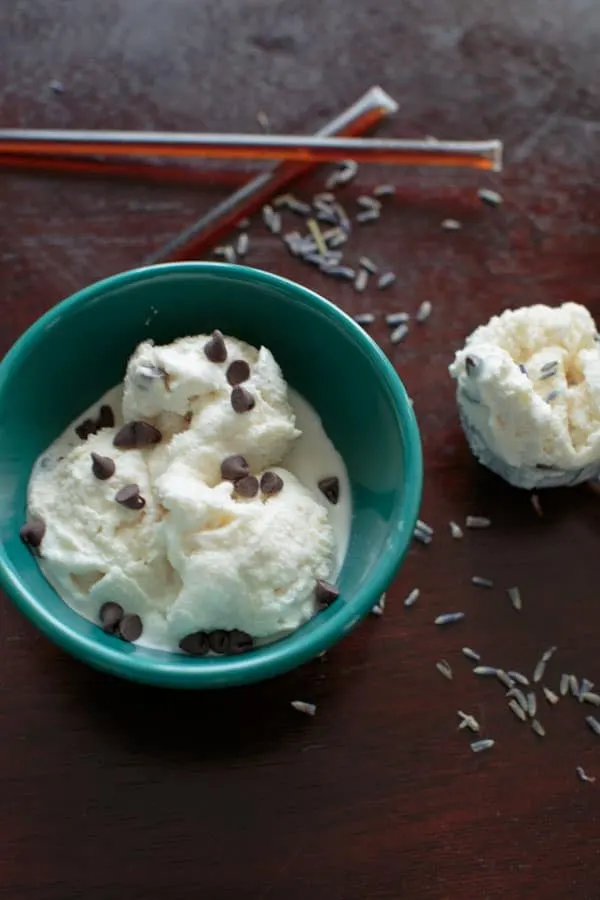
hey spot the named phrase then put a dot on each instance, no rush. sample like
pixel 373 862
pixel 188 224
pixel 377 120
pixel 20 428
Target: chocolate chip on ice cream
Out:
pixel 330 487
pixel 85 429
pixel 110 615
pixel 218 641
pixel 242 400
pixel 247 487
pixel 130 628
pixel 195 644
pixel 271 483
pixel 32 533
pixel 325 594
pixel 239 641
pixel 106 417
pixel 103 467
pixel 234 467
pixel 215 348
pixel 136 435
pixel 237 372
pixel 130 497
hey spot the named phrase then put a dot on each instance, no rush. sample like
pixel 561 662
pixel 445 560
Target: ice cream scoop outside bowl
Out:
pixel 79 349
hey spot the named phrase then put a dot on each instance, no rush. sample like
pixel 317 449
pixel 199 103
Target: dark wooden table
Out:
pixel 109 790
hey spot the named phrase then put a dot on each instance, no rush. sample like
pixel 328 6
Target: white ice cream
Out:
pixel 528 392
pixel 250 564
pixel 197 557
pixel 195 387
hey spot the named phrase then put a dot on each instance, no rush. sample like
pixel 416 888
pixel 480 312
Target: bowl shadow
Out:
pixel 209 726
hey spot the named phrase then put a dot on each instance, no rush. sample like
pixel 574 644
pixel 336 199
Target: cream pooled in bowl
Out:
pixel 528 394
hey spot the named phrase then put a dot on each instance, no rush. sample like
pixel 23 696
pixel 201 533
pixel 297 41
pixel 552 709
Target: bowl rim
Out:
pixel 171 670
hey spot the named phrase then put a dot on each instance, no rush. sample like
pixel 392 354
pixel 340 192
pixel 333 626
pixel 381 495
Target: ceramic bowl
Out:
pixel 79 349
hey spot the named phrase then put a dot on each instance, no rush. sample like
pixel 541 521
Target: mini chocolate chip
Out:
pixel 106 417
pixel 103 467
pixel 110 615
pixel 247 487
pixel 472 363
pixel 242 400
pixel 195 644
pixel 325 594
pixel 215 348
pixel 330 486
pixel 271 483
pixel 32 533
pixel 238 371
pixel 234 467
pixel 239 641
pixel 218 641
pixel 130 628
pixel 130 497
pixel 137 434
pixel 85 428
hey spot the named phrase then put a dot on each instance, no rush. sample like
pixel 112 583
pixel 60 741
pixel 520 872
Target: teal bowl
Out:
pixel 78 350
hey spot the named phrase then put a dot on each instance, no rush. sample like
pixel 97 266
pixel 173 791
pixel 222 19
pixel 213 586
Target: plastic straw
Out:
pixel 203 234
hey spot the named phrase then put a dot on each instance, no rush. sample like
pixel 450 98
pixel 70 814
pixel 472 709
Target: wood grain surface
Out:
pixel 109 790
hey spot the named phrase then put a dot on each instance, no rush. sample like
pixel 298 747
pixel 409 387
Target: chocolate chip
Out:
pixel 238 371
pixel 110 615
pixel 234 467
pixel 218 641
pixel 130 628
pixel 137 434
pixel 247 487
pixel 271 483
pixel 103 467
pixel 472 364
pixel 215 348
pixel 85 428
pixel 331 488
pixel 242 400
pixel 195 644
pixel 325 594
pixel 33 532
pixel 239 641
pixel 106 417
pixel 130 497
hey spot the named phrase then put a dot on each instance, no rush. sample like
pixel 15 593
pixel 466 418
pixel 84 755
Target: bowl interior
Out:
pixel 79 350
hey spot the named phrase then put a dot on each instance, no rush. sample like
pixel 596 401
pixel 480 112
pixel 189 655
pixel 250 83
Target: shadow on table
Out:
pixel 512 510
pixel 218 725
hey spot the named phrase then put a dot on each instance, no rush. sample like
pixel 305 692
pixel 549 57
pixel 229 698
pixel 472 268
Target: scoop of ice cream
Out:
pixel 244 563
pixel 189 398
pixel 151 525
pixel 528 392
pixel 99 549
pixel 155 529
pixel 199 557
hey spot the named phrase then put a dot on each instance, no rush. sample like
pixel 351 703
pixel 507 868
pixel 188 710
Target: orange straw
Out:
pixel 295 148
pixel 196 240
pixel 136 170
